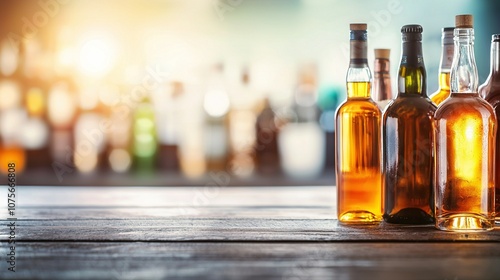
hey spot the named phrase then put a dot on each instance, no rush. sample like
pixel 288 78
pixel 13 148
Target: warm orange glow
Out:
pixel 13 154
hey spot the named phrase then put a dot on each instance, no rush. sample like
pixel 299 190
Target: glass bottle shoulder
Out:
pixel 461 105
pixel 410 107
pixel 491 93
pixel 364 106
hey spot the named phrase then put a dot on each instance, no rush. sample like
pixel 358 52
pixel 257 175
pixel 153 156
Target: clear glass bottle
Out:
pixel 465 138
pixel 407 140
pixel 445 66
pixel 382 89
pixel 358 141
pixel 490 91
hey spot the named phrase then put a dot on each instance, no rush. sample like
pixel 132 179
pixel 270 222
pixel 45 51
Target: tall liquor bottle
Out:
pixel 407 140
pixel 382 90
pixel 465 139
pixel 358 141
pixel 445 66
pixel 490 91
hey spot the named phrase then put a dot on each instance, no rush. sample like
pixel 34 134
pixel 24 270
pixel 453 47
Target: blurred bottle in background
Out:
pixel 328 102
pixel 216 106
pixel 303 132
pixel 267 157
pixel 242 119
pixel 382 89
pixel 490 91
pixel 191 133
pixel 35 131
pixel 169 102
pixel 144 137
pixel 444 66
pixel 12 113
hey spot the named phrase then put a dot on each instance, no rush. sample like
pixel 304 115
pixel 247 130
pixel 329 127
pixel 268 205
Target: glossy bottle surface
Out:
pixel 407 138
pixel 358 141
pixel 490 91
pixel 465 136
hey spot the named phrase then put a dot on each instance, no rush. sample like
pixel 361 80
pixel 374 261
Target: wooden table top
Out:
pixel 225 233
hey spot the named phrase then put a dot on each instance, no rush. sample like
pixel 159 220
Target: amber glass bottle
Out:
pixel 382 90
pixel 407 140
pixel 445 66
pixel 465 138
pixel 490 91
pixel 358 141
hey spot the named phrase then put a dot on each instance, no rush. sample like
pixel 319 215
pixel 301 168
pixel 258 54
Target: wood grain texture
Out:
pixel 287 261
pixel 229 229
pixel 226 233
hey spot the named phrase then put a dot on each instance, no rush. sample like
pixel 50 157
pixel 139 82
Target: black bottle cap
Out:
pixel 412 28
pixel 495 38
pixel 412 32
pixel 448 29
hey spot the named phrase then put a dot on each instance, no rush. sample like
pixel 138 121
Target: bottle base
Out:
pixel 359 217
pixel 465 222
pixel 410 216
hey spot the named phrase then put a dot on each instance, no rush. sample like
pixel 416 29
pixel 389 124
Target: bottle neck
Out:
pixel 358 49
pixel 382 80
pixel 495 59
pixel 358 74
pixel 463 77
pixel 412 77
pixel 447 50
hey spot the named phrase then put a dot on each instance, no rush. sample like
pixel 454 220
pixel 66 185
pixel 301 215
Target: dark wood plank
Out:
pixel 230 229
pixel 45 260
pixel 229 214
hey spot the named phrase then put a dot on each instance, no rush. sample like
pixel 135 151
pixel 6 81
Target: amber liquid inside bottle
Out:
pixel 465 146
pixel 447 51
pixel 358 163
pixel 408 141
pixel 444 88
pixel 465 143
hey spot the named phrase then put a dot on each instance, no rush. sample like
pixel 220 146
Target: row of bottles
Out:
pixel 79 126
pixel 411 161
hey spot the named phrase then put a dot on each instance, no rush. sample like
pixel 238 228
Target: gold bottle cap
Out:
pixel 464 21
pixel 358 26
pixel 383 53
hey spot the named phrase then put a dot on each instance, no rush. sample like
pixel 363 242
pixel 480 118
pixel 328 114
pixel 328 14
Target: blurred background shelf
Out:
pixel 46 177
pixel 248 87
